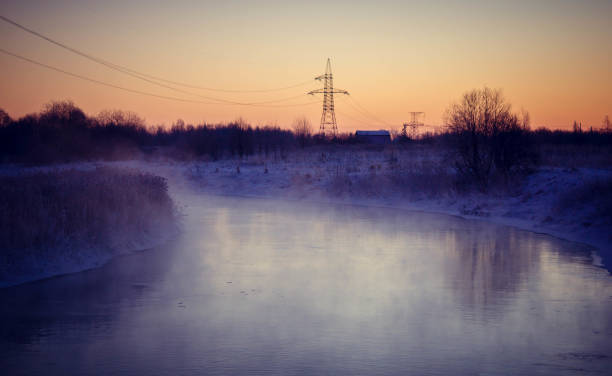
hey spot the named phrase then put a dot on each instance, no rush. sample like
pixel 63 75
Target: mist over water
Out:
pixel 258 286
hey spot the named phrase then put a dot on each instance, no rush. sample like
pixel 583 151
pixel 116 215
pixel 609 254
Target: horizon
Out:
pixel 426 128
pixel 551 59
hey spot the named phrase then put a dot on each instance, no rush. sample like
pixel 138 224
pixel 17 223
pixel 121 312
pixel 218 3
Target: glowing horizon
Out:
pixel 550 58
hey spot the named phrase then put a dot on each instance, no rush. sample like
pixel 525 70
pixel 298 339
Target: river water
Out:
pixel 258 286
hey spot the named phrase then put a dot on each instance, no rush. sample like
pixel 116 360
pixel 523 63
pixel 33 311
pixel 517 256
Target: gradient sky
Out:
pixel 551 58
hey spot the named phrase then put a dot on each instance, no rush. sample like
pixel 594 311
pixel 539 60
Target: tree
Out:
pixel 63 113
pixel 302 129
pixel 5 119
pixel 488 137
pixel 606 125
pixel 118 118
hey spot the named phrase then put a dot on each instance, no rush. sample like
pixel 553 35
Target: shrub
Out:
pixel 103 209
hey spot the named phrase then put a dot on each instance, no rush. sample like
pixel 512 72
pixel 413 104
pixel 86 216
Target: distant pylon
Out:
pixel 414 125
pixel 328 117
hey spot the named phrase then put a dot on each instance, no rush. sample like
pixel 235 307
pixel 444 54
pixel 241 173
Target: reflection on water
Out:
pixel 263 287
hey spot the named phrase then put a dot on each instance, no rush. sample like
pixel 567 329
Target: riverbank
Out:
pixel 61 221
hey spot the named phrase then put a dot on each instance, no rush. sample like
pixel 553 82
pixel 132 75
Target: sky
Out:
pixel 551 58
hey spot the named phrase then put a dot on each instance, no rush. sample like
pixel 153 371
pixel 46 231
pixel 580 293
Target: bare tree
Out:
pixel 63 113
pixel 5 119
pixel 178 125
pixel 120 118
pixel 606 125
pixel 525 120
pixel 488 136
pixel 302 128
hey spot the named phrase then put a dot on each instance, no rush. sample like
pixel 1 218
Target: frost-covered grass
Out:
pixel 66 220
pixel 348 172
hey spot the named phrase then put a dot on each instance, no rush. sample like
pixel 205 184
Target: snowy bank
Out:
pixel 61 221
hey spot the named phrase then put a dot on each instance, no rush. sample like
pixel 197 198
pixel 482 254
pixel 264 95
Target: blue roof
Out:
pixel 372 133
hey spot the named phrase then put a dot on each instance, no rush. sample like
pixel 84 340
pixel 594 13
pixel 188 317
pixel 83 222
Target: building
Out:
pixel 373 137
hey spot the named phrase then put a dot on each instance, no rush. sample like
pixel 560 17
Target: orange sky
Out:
pixel 551 58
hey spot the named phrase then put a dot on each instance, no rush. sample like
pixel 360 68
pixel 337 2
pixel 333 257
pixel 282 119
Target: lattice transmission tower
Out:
pixel 414 125
pixel 328 117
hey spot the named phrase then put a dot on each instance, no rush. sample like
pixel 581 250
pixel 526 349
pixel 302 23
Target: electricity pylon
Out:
pixel 414 125
pixel 328 117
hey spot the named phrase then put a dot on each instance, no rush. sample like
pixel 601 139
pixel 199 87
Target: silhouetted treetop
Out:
pixel 63 113
pixel 119 118
pixel 488 137
pixel 5 119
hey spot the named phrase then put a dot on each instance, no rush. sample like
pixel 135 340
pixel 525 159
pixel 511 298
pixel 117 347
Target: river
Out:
pixel 258 286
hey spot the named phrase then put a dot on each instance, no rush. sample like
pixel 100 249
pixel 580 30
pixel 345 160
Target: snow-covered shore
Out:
pixel 73 258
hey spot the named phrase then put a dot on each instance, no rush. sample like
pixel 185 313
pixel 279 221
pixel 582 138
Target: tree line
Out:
pixel 485 137
pixel 62 132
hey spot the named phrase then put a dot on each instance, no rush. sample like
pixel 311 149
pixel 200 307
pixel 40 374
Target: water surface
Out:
pixel 266 287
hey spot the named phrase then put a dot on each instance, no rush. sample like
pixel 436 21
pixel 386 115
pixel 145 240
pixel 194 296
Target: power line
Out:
pixel 97 60
pixel 368 113
pixel 146 77
pixel 138 91
pixel 277 100
pixel 352 118
pixel 97 81
pixel 364 116
pixel 226 90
